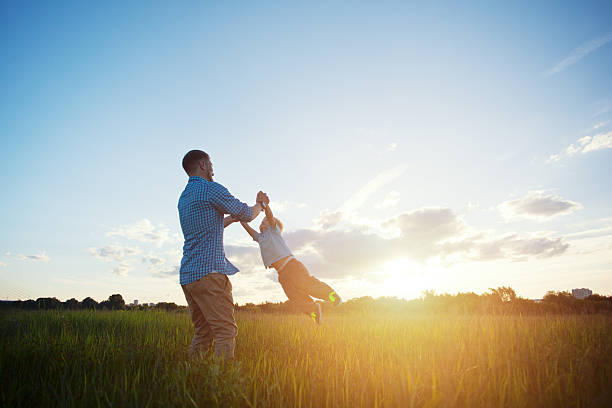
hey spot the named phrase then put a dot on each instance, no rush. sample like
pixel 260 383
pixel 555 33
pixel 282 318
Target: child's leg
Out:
pixel 311 285
pixel 289 280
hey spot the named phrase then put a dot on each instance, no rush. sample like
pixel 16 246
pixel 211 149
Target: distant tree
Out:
pixel 502 294
pixel 562 301
pixel 29 305
pixel 168 306
pixel 48 303
pixel 116 302
pixel 89 303
pixel 428 294
pixel 71 304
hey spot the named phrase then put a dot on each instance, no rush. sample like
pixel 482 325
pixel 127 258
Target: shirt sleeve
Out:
pixel 256 236
pixel 226 203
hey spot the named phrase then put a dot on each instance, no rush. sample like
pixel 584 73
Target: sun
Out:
pixel 409 279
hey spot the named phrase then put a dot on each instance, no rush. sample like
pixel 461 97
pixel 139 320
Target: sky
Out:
pixel 406 146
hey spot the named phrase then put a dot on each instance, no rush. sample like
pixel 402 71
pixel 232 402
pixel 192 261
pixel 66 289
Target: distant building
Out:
pixel 135 302
pixel 581 293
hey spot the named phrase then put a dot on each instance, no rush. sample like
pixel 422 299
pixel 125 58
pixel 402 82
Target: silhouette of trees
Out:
pixel 169 307
pixel 501 300
pixel 71 304
pixel 89 303
pixel 114 302
pixel 48 303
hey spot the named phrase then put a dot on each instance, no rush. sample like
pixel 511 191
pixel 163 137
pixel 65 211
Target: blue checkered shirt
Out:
pixel 201 208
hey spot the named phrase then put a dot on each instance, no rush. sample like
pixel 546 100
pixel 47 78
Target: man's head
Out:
pixel 197 163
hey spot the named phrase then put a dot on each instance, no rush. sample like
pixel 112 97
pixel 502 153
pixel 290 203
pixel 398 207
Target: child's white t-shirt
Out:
pixel 272 245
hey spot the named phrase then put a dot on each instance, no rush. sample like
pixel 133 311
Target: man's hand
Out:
pixel 262 198
pixel 260 201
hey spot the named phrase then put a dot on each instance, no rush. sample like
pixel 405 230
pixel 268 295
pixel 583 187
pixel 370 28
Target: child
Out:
pixel 293 276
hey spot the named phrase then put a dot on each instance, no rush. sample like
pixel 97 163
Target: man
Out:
pixel 204 267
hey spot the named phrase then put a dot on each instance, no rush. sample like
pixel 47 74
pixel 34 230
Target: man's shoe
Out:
pixel 335 299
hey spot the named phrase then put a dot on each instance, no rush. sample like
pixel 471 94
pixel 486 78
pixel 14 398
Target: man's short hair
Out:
pixel 192 159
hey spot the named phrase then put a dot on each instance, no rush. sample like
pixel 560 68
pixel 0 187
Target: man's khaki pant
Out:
pixel 211 306
pixel 299 286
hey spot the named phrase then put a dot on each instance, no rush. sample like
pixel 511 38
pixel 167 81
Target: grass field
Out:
pixel 139 359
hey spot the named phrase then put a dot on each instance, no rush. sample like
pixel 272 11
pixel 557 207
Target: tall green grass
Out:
pixel 139 359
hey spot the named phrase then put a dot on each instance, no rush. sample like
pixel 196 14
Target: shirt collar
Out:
pixel 196 178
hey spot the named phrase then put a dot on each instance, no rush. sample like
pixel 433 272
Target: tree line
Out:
pixel 114 302
pixel 502 300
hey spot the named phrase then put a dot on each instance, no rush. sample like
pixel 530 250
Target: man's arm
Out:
pixel 255 210
pixel 250 230
pixel 228 221
pixel 226 203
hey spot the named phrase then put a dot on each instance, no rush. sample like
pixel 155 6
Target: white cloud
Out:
pixel 123 268
pixel 598 142
pixel 600 124
pixel 392 147
pixel 328 219
pixel 159 267
pixel 40 257
pixel 572 150
pixel 584 140
pixel 171 271
pixel 591 233
pixel 538 205
pixel 580 52
pixel 390 200
pixel 144 231
pixel 153 260
pixel 421 235
pixel 113 252
pixel 518 248
pixel 585 144
pixel 2 264
pixel 165 264
pixel 116 253
pixel 245 258
pixel 165 271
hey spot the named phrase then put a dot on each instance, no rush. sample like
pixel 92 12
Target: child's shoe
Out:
pixel 335 299
pixel 317 316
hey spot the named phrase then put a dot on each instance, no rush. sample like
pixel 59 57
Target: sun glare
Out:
pixel 409 279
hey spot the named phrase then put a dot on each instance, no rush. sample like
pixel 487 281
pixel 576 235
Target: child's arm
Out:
pixel 269 215
pixel 250 230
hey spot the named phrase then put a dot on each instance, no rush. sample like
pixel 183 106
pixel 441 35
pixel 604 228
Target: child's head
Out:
pixel 265 224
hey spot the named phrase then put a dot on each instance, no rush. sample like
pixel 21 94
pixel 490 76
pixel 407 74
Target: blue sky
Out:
pixel 444 146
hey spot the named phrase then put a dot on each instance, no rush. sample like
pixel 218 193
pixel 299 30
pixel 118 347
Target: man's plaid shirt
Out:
pixel 201 208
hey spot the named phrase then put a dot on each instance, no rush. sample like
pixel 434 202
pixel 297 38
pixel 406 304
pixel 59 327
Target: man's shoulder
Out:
pixel 215 187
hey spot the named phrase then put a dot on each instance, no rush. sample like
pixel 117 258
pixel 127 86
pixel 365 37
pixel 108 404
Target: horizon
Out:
pixel 422 296
pixel 405 147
